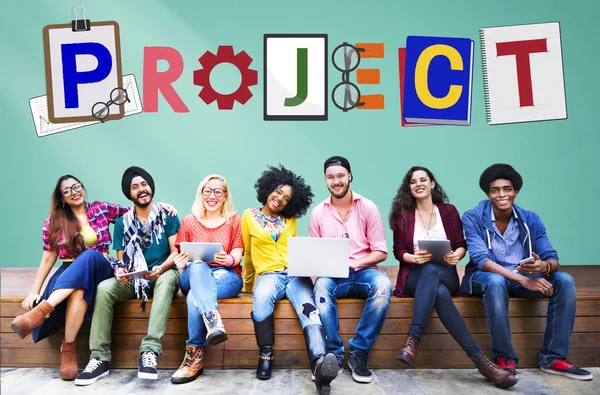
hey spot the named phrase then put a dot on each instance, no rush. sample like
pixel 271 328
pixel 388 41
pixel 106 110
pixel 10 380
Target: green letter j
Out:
pixel 301 79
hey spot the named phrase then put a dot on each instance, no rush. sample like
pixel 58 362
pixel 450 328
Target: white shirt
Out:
pixel 437 232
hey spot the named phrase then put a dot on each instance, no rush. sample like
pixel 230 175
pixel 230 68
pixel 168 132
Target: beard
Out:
pixel 137 202
pixel 340 195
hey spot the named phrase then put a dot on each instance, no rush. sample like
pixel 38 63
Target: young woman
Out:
pixel 76 232
pixel 420 211
pixel 284 197
pixel 213 220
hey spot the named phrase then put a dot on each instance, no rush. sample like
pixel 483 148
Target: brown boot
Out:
pixel 68 360
pixel 408 353
pixel 191 367
pixel 493 373
pixel 25 323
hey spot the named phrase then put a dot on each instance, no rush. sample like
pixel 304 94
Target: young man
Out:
pixel 144 239
pixel 499 236
pixel 347 214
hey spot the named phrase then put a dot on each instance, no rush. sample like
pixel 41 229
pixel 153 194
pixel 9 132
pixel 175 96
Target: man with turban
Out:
pixel 144 239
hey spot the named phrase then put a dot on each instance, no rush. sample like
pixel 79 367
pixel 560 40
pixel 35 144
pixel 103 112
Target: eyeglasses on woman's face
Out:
pixel 68 191
pixel 218 192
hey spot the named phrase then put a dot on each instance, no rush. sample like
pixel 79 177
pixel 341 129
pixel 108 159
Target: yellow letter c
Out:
pixel 422 68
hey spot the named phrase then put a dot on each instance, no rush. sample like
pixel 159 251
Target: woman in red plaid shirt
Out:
pixel 77 232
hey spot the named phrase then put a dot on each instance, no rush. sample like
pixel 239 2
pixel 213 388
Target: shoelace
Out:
pixel 411 342
pixel 149 359
pixel 489 364
pixel 565 360
pixel 507 362
pixel 361 357
pixel 187 361
pixel 92 365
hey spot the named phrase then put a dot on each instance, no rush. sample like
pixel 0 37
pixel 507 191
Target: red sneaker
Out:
pixel 565 368
pixel 507 364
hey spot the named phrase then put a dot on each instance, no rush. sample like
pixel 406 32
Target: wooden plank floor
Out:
pixel 437 348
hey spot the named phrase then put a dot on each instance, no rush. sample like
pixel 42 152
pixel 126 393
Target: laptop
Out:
pixel 318 257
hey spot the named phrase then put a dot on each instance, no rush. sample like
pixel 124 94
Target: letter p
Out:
pixel 73 78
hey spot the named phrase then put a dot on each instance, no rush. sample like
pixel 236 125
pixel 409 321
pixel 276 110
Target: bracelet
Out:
pixel 232 260
pixel 160 268
pixel 549 268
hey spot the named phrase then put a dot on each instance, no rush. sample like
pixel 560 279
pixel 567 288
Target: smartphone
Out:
pixel 527 260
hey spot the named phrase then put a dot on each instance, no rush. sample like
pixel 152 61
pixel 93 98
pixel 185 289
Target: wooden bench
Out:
pixel 437 348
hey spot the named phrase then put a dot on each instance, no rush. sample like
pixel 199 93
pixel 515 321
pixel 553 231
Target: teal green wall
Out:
pixel 558 159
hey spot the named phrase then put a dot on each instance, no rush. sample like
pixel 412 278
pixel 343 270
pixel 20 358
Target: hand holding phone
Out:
pixel 527 260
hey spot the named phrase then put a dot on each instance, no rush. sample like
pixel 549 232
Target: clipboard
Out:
pixel 100 100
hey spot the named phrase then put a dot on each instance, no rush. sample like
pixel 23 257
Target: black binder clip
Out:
pixel 80 24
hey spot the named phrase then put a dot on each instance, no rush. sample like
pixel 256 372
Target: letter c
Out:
pixel 422 68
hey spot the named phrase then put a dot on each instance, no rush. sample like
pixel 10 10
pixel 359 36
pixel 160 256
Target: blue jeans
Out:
pixel 273 286
pixel 370 284
pixel 496 290
pixel 207 284
pixel 432 285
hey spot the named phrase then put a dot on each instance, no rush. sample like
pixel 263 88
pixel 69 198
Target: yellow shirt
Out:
pixel 89 236
pixel 262 254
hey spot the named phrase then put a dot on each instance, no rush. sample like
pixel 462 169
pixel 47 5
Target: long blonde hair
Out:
pixel 227 210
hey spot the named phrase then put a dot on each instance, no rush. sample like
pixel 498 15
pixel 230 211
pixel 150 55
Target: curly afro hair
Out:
pixel 301 192
pixel 500 171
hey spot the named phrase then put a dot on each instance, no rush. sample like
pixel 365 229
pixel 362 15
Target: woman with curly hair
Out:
pixel 420 211
pixel 284 197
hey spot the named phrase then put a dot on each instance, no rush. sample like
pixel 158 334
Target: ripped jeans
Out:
pixel 203 285
pixel 273 286
pixel 370 284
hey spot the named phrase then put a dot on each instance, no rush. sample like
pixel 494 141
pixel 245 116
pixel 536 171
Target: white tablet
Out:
pixel 437 248
pixel 201 251
pixel 134 275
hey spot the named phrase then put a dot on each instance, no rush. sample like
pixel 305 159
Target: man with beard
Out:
pixel 144 239
pixel 347 214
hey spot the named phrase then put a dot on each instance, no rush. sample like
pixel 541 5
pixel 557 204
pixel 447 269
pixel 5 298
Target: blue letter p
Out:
pixel 72 78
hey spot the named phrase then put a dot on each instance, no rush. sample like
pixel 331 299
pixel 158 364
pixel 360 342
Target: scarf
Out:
pixel 272 224
pixel 136 239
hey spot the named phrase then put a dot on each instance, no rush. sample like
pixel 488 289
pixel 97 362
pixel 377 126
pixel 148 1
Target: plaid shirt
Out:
pixel 100 215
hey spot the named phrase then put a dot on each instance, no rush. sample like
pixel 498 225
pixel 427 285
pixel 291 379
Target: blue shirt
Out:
pixel 506 247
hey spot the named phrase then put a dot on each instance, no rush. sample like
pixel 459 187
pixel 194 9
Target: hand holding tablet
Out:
pixel 437 248
pixel 201 251
pixel 133 275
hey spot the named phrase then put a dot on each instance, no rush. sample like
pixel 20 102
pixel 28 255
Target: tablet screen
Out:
pixel 437 248
pixel 201 251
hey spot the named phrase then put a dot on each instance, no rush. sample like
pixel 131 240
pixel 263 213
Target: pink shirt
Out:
pixel 364 226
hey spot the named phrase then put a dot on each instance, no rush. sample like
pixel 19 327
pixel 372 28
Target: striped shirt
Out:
pixel 506 247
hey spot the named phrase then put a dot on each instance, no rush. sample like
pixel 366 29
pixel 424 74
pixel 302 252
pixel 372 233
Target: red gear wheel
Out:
pixel 225 54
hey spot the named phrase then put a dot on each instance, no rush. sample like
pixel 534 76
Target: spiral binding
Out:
pixel 486 91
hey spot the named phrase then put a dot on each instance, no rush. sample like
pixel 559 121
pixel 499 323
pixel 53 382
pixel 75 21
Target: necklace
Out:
pixel 428 228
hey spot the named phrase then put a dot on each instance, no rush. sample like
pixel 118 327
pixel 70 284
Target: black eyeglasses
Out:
pixel 350 60
pixel 68 191
pixel 101 110
pixel 217 191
